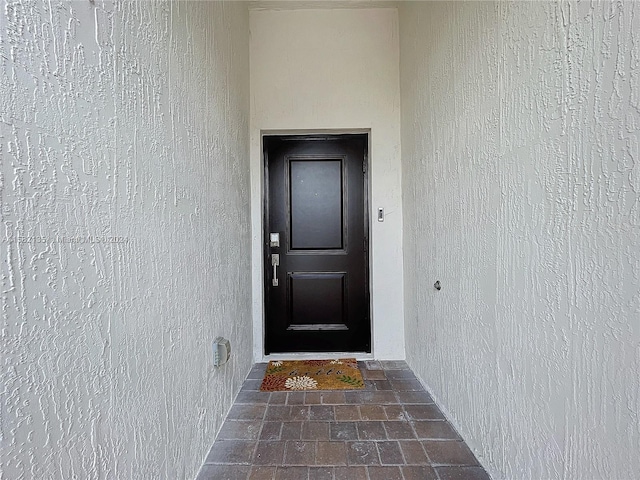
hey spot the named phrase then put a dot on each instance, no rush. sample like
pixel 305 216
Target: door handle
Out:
pixel 275 261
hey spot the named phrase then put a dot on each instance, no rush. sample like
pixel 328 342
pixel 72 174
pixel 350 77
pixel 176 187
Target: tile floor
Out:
pixel 390 430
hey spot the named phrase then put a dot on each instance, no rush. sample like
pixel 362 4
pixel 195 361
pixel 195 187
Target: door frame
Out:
pixel 316 135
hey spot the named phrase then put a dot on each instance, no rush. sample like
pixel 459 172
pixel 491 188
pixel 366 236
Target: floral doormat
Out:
pixel 285 375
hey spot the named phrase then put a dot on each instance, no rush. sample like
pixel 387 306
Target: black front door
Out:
pixel 316 244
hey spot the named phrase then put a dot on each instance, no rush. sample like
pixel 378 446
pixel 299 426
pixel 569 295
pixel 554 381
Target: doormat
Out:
pixel 290 375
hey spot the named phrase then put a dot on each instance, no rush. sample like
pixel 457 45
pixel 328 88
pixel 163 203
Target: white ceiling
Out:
pixel 315 4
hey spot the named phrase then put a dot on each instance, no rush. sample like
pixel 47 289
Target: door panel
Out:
pixel 316 200
pixel 317 301
pixel 316 204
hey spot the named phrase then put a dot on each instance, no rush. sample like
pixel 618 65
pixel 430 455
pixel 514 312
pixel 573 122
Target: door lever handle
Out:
pixel 275 261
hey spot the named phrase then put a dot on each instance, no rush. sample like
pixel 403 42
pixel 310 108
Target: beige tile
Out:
pixel 295 398
pixel 262 473
pixel 447 452
pixel 385 473
pixel 313 398
pixel 240 430
pixel 269 453
pixel 300 453
pixel 321 412
pixel 346 413
pixel 395 412
pixel 371 431
pixel 350 473
pixel 390 453
pixel 462 473
pixel 292 473
pixel 343 431
pixel 291 431
pixel 333 398
pixel 315 431
pixel 372 412
pixel 246 412
pixel 271 431
pixel 320 473
pixel 231 452
pixel 419 473
pixel 413 452
pixel 423 412
pixel 373 374
pixel 399 430
pixel 331 453
pixel 362 453
pixel 228 472
pixel 435 429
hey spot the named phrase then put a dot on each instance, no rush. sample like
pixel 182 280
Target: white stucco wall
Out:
pixel 521 177
pixel 124 119
pixel 313 70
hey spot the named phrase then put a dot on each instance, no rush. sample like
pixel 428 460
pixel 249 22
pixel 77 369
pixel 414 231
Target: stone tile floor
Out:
pixel 390 430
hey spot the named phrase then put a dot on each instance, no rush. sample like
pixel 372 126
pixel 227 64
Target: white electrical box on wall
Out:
pixel 221 351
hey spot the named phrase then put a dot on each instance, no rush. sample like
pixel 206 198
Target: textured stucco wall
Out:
pixel 521 192
pixel 124 119
pixel 330 69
